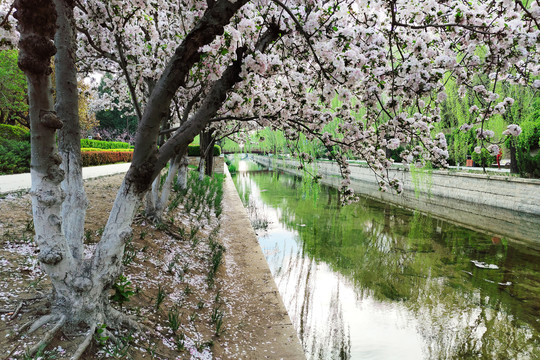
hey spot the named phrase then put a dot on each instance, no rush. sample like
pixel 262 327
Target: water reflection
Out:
pixel 370 281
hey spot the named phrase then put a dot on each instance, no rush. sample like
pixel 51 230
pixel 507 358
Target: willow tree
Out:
pixel 266 63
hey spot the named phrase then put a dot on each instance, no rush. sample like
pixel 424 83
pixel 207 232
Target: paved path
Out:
pixel 17 182
pixel 265 330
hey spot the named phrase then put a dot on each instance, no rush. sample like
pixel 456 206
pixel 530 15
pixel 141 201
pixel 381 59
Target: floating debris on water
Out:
pixel 483 265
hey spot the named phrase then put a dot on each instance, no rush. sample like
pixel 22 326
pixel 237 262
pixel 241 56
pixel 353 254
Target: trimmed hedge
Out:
pixel 11 132
pixel 107 145
pixel 93 158
pixel 14 156
pixel 96 149
pixel 195 150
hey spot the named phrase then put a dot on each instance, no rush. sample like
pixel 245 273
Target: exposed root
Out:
pixel 16 312
pixel 48 336
pixel 110 335
pixel 11 352
pixel 42 321
pixel 86 342
pixel 120 319
pixel 23 328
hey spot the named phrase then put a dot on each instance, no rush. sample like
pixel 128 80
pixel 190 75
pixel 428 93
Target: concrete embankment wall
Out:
pixel 499 205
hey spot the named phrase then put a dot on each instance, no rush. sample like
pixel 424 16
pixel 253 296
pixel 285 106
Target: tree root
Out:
pixel 86 342
pixel 49 335
pixel 41 321
pixel 120 319
pixel 14 315
pixel 11 352
pixel 110 336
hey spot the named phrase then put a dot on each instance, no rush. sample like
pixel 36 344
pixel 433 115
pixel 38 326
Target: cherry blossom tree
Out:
pixel 262 63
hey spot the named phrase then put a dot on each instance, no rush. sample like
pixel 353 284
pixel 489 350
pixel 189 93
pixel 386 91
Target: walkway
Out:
pixel 22 182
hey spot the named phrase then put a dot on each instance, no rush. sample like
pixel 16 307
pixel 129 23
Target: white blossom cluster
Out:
pixel 377 68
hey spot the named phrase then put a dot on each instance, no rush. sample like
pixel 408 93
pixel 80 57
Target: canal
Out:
pixel 373 281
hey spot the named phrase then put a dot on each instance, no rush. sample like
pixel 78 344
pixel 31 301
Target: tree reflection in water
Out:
pixel 374 281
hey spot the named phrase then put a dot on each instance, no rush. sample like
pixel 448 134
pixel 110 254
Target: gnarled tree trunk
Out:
pixel 58 201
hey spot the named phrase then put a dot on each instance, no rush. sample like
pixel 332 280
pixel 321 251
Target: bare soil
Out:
pixel 238 315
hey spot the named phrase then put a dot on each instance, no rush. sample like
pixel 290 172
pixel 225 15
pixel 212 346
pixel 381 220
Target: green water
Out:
pixel 372 281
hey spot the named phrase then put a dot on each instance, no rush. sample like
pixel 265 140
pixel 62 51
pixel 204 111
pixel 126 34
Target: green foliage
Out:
pixel 232 168
pixel 527 145
pixel 106 145
pixel 195 150
pixel 14 156
pixel 100 335
pixel 174 320
pixel 12 87
pixel 160 297
pixel 123 290
pixel 11 132
pixel 484 159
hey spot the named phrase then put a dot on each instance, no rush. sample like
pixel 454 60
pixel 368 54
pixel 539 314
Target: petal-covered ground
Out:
pixel 194 281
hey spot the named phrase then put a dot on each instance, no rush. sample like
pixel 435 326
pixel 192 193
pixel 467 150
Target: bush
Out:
pixel 97 149
pixel 195 150
pixel 528 143
pixel 107 145
pixel 14 156
pixel 93 158
pixel 232 169
pixel 11 132
pixel 484 158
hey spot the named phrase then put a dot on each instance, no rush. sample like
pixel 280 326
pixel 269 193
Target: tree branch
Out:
pixel 306 36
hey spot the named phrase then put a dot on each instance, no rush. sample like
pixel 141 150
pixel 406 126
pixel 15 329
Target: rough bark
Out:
pixel 156 201
pixel 213 101
pixel 207 151
pixel 37 23
pixel 146 164
pixel 67 105
pixel 181 179
pixel 514 169
pixel 79 285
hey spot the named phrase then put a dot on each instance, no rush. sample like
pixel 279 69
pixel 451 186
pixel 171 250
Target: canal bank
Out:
pixel 259 309
pixel 502 206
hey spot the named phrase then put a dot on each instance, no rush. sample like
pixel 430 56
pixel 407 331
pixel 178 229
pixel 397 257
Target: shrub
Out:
pixel 14 156
pixel 97 149
pixel 107 145
pixel 195 150
pixel 232 169
pixel 11 132
pixel 92 158
pixel 484 158
pixel 527 149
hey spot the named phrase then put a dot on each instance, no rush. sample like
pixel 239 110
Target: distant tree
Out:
pixel 13 92
pixel 114 119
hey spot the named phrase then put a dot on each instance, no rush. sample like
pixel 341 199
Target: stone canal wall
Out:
pixel 499 205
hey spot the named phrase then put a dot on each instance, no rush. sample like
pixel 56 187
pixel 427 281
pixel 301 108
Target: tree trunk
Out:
pixel 67 107
pixel 181 180
pixel 156 201
pixel 201 168
pixel 514 169
pixel 80 285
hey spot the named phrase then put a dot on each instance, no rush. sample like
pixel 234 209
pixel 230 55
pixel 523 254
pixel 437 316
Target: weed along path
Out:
pixel 198 280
